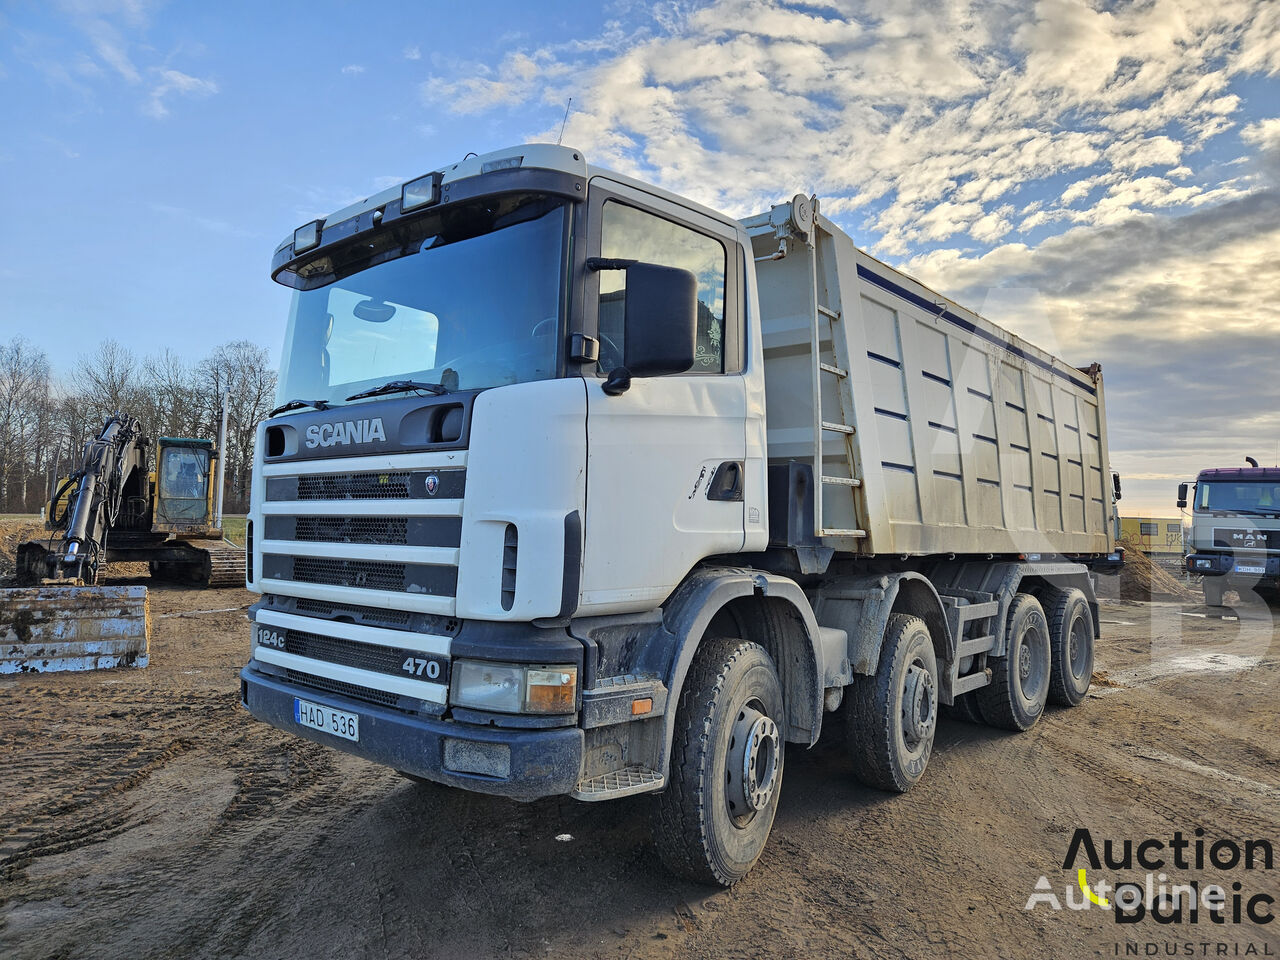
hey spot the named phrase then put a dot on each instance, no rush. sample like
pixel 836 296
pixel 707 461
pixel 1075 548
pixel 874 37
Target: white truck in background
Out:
pixel 1234 537
pixel 577 487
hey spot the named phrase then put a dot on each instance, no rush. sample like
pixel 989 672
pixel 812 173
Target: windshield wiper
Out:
pixel 400 386
pixel 298 405
pixel 1245 512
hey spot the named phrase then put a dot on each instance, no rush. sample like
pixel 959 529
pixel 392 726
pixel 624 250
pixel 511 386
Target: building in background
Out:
pixel 1156 536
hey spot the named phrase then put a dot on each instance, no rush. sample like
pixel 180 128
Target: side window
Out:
pixel 631 234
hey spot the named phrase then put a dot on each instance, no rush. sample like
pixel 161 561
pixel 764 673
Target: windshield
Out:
pixel 1239 497
pixel 473 302
pixel 184 485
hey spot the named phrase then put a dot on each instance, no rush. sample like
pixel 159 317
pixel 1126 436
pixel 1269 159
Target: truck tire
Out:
pixel 1071 642
pixel 966 708
pixel 1213 588
pixel 893 714
pixel 1019 686
pixel 712 821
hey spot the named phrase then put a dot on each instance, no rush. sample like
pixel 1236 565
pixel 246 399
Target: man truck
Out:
pixel 581 488
pixel 1234 541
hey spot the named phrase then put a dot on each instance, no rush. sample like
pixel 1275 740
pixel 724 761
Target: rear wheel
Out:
pixel 712 821
pixel 966 708
pixel 1019 686
pixel 893 714
pixel 1071 641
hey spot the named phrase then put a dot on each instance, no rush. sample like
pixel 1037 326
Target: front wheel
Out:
pixel 712 821
pixel 893 714
pixel 1213 591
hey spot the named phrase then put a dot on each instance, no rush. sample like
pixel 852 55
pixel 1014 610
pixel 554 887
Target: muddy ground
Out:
pixel 144 814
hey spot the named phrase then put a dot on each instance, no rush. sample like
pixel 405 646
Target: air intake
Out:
pixel 510 549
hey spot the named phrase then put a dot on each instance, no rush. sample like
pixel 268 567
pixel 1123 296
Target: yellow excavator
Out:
pixel 114 510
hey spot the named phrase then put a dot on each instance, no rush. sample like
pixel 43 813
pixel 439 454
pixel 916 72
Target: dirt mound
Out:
pixel 13 532
pixel 18 530
pixel 1141 579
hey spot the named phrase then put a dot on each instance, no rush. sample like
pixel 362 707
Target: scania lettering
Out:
pixel 652 492
pixel 350 431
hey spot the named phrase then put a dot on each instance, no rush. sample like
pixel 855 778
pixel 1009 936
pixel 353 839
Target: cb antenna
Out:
pixel 564 121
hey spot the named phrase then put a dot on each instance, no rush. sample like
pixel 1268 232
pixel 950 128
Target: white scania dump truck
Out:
pixel 577 487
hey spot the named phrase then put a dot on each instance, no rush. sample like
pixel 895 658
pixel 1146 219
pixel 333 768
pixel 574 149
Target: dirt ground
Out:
pixel 143 813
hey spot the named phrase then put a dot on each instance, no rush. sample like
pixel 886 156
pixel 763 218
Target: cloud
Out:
pixel 175 83
pixel 413 53
pixel 943 133
pixel 353 69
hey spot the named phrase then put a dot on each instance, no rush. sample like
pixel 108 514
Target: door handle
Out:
pixel 726 482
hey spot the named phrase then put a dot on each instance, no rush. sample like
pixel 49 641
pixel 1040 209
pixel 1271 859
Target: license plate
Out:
pixel 1243 568
pixel 319 717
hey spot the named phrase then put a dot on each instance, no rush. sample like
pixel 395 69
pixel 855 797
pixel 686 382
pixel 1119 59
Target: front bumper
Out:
pixel 1227 565
pixel 524 764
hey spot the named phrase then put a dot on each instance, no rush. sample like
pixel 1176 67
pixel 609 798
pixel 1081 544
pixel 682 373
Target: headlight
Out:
pixel 514 688
pixel 1203 563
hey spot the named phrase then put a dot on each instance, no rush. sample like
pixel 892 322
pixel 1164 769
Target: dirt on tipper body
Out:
pixel 144 813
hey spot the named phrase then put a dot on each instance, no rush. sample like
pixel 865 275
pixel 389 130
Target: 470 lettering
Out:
pixel 419 667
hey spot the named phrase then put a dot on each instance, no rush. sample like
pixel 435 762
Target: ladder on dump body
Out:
pixel 823 312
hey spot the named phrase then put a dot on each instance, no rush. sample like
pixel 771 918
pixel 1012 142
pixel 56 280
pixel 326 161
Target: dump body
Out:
pixel 965 438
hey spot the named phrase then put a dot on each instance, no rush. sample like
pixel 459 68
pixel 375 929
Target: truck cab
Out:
pixel 1234 536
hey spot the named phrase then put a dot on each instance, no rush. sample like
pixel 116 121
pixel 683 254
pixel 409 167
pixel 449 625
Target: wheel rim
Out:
pixel 1078 648
pixel 1032 663
pixel 919 707
pixel 752 769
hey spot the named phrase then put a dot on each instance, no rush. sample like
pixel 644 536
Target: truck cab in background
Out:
pixel 578 487
pixel 1233 541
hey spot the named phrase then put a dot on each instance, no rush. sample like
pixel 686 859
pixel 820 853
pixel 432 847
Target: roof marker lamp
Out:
pixel 306 237
pixel 420 193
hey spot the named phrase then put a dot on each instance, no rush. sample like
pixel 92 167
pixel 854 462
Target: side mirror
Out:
pixel 661 310
pixel 1115 485
pixel 1182 496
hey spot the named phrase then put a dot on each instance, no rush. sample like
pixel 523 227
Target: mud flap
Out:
pixel 51 628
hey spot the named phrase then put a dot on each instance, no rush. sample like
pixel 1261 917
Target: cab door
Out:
pixel 666 458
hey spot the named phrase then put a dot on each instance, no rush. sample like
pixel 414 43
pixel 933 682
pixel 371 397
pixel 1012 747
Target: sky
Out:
pixel 1102 178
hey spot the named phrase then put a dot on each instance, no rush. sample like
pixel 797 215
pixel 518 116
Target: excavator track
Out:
pixel 222 564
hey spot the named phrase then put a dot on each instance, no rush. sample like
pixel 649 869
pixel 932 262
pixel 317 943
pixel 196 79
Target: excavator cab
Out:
pixel 183 486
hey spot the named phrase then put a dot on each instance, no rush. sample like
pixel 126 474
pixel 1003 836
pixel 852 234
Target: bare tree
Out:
pixel 107 380
pixel 245 370
pixel 24 391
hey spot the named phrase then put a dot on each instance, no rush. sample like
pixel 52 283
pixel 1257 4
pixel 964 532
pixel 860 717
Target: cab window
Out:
pixel 631 234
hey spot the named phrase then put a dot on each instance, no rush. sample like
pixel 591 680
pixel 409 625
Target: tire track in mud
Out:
pixel 94 811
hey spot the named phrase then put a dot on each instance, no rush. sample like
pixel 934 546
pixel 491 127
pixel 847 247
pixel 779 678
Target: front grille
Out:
pixel 353 690
pixel 431 579
pixel 351 529
pixel 444 484
pixel 366 656
pixel 369 574
pixel 355 486
pixel 335 611
pixel 396 531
